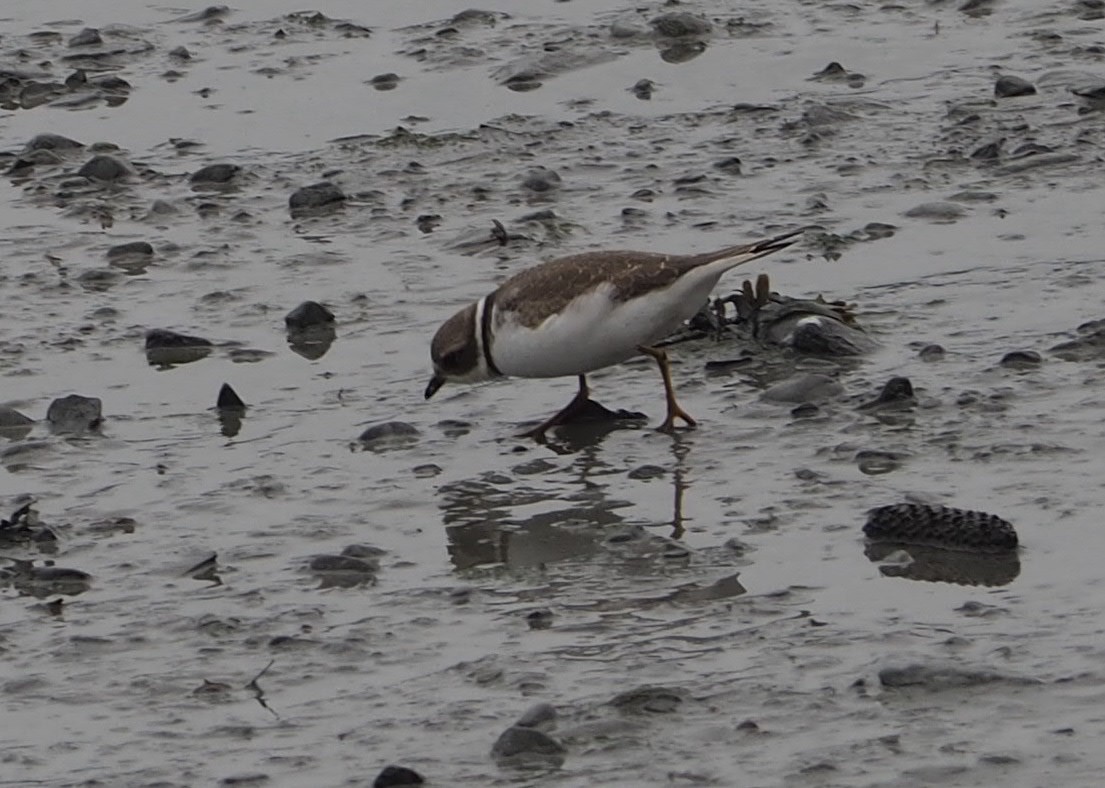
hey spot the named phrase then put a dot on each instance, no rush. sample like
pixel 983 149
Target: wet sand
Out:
pixel 698 609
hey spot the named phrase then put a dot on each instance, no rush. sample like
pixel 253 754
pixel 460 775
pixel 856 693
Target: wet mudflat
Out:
pixel 250 595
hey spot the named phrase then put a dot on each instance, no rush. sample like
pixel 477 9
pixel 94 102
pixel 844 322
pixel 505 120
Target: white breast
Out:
pixel 595 331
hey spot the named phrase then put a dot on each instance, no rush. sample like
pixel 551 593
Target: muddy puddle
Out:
pixel 252 595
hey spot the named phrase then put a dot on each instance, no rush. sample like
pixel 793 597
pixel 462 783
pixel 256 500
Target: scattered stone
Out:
pixel 215 173
pixel 75 414
pixel 104 168
pixel 49 141
pixel 397 775
pixel 518 743
pixel 1008 87
pixel 648 700
pixel 315 197
pixel 647 472
pixel 1021 359
pixel 1089 346
pixel 539 619
pixel 936 678
pixel 895 392
pixel 166 348
pixel 13 420
pixel 389 435
pixel 643 88
pixel 730 165
pixel 387 81
pixel 809 387
pixel 44 581
pixel 932 352
pixel 89 36
pixel 344 571
pixel 872 462
pixel 134 250
pixel 307 315
pixel 940 526
pixel 229 400
pixel 807 410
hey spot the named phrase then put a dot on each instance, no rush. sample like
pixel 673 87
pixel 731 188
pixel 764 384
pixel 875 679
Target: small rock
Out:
pixel 539 619
pixel 229 400
pixel 931 352
pixel 540 180
pixel 315 197
pixel 130 250
pixel 937 211
pixel 730 165
pixel 157 338
pixel 104 168
pixel 165 348
pixel 75 413
pixel 807 410
pixel 896 391
pixel 872 462
pixel 49 141
pixel 387 81
pixel 389 435
pixel 307 315
pixel 215 173
pixel 1021 359
pixel 90 36
pixel 647 472
pixel 397 775
pixel 643 88
pixel 517 741
pixel 10 418
pixel 1008 87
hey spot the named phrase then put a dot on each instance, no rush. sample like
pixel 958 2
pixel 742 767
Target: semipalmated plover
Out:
pixel 580 313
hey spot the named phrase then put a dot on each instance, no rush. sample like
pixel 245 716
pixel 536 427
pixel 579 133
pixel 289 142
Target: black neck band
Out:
pixel 485 335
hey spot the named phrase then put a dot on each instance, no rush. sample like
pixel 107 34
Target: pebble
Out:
pixel 75 413
pixel 228 399
pixel 89 36
pixel 896 391
pixel 680 24
pixel 931 352
pixel 516 742
pixel 937 211
pixel 215 173
pixel 808 387
pixel 49 141
pixel 1009 87
pixel 307 315
pixel 314 197
pixel 104 168
pixel 541 715
pixel 157 338
pixel 130 250
pixel 387 81
pixel 397 775
pixel 1021 359
pixel 389 435
pixel 540 180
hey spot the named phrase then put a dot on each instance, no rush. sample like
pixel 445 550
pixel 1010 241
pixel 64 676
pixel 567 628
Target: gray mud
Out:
pixel 251 594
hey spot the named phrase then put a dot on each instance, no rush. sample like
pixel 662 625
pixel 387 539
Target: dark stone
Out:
pixel 387 81
pixel 1008 87
pixel 229 400
pixel 1022 359
pixel 74 413
pixel 427 222
pixel 896 391
pixel 940 526
pixel 518 741
pixel 90 36
pixel 648 700
pixel 539 619
pixel 542 715
pixel 10 418
pixel 931 352
pixel 215 173
pixel 49 141
pixel 131 250
pixel 104 168
pixel 388 435
pixel 647 472
pixel 397 775
pixel 944 677
pixel 872 462
pixel 315 197
pixel 157 338
pixel 807 410
pixel 307 315
pixel 643 88
pixel 112 84
pixel 730 165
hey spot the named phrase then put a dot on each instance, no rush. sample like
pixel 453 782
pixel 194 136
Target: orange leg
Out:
pixel 561 416
pixel 674 411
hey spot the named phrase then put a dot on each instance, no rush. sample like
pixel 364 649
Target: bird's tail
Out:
pixel 732 256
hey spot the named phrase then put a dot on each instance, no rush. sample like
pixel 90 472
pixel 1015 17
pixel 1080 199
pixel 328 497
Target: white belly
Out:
pixel 595 331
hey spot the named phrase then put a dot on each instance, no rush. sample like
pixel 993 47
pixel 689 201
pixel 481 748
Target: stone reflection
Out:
pixel 939 565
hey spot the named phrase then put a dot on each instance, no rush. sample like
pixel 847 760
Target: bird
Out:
pixel 577 314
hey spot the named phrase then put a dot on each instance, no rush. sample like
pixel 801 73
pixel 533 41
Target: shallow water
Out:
pixel 723 568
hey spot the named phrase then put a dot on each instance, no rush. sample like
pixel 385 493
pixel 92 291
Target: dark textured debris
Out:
pixel 206 570
pixel 940 526
pixel 389 435
pixel 104 168
pixel 23 527
pixel 45 581
pixel 309 314
pixel 215 174
pixel 75 414
pixel 1021 359
pixel 317 197
pixel 397 775
pixel 166 348
pixel 1009 87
